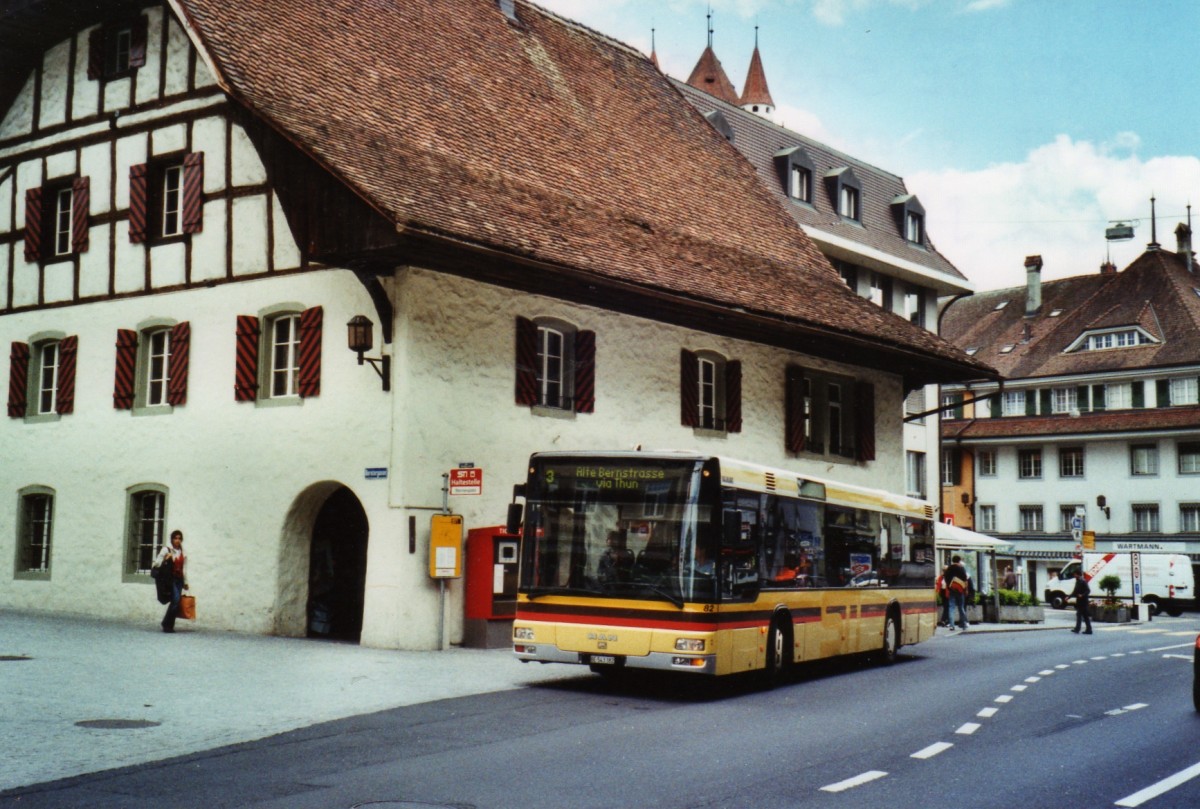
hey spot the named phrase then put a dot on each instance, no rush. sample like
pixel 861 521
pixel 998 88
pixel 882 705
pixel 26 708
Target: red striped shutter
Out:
pixel 310 352
pixel 793 410
pixel 18 380
pixel 80 199
pixel 137 43
pixel 585 371
pixel 193 192
pixel 527 351
pixel 96 54
pixel 733 396
pixel 123 379
pixel 33 224
pixel 689 389
pixel 137 203
pixel 864 419
pixel 245 378
pixel 68 349
pixel 181 341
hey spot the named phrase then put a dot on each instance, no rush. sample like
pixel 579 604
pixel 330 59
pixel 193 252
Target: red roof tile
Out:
pixel 755 90
pixel 709 76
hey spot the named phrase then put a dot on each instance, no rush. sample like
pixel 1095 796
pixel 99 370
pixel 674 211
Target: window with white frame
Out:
pixel 914 227
pixel 1118 396
pixel 1029 463
pixel 36 530
pixel 1014 403
pixel 1070 462
pixel 1145 518
pixel 1184 391
pixel 1066 515
pixel 61 222
pixel 284 372
pixel 708 392
pixel 914 305
pixel 1063 400
pixel 950 467
pixel 47 375
pixel 801 183
pixel 1189 457
pixel 146 524
pixel 986 518
pixel 849 204
pixel 915 477
pixel 1031 519
pixel 552 360
pixel 1125 338
pixel 1143 459
pixel 986 458
pixel 157 367
pixel 172 199
pixel 1189 517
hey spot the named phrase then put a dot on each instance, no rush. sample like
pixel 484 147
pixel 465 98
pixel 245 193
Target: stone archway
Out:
pixel 337 571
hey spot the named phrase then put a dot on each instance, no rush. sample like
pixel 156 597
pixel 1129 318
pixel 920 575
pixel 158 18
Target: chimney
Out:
pixel 1183 241
pixel 1108 268
pixel 1033 285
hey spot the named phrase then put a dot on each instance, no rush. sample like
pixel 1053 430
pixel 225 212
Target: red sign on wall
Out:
pixel 466 481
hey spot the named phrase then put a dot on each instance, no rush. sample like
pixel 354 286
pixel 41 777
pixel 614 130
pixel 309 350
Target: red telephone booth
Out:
pixel 491 587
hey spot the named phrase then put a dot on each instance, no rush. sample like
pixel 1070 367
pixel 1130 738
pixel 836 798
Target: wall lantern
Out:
pixel 359 338
pixel 1102 502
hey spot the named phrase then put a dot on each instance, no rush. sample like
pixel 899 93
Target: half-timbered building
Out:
pixel 553 249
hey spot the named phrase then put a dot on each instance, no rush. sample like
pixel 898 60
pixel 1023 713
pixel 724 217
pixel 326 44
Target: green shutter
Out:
pixel 1047 401
pixel 958 411
pixel 1164 392
pixel 1081 398
pixel 1031 403
pixel 1097 397
pixel 1139 393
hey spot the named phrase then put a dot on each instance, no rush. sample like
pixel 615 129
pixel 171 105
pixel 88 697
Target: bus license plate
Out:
pixel 603 660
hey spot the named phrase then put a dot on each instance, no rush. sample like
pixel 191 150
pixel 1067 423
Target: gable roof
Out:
pixel 1157 292
pixel 709 76
pixel 561 159
pixel 878 242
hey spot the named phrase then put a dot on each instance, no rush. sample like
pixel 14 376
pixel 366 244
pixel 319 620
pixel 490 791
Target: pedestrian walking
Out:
pixel 957 580
pixel 1010 579
pixel 944 596
pixel 171 564
pixel 1083 609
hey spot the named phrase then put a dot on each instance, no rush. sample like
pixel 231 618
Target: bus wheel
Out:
pixel 1152 605
pixel 891 640
pixel 777 643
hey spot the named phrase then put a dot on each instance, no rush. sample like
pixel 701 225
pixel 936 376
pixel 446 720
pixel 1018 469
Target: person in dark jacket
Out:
pixel 957 581
pixel 1083 610
pixel 173 563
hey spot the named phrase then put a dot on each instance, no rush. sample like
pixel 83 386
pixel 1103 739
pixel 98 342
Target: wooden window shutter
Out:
pixel 733 396
pixel 126 373
pixel 18 380
pixel 793 410
pixel 137 43
pixel 33 224
pixel 1098 402
pixel 1163 393
pixel 245 381
pixel 1031 403
pixel 80 199
pixel 689 389
pixel 137 203
pixel 1081 398
pixel 68 350
pixel 310 352
pixel 527 351
pixel 585 371
pixel 1139 393
pixel 95 62
pixel 193 192
pixel 181 341
pixel 864 421
pixel 1047 396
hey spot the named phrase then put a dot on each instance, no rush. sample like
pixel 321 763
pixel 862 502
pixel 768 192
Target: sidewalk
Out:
pixel 154 695
pixel 148 696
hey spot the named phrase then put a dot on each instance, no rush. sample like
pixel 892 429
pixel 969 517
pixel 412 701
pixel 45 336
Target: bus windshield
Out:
pixel 618 527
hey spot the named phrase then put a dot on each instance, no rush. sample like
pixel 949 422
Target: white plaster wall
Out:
pixel 53 108
pixel 85 100
pixel 148 82
pixel 208 246
pixel 62 164
pixel 6 205
pixel 93 263
pixel 248 229
pixel 178 46
pixel 248 168
pixel 95 163
pixel 116 94
pixel 233 469
pixel 208 134
pixel 5 263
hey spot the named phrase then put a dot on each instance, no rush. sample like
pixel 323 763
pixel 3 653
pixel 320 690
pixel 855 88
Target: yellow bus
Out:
pixel 684 562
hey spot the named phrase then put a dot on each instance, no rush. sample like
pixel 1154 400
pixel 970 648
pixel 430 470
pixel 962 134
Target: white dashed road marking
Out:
pixel 1019 687
pixel 932 750
pixel 987 713
pixel 968 728
pixel 856 781
pixel 1003 698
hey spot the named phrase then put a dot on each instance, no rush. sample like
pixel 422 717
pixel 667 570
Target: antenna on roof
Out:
pixel 708 17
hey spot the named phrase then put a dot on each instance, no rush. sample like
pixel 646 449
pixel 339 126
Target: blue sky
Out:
pixel 1024 126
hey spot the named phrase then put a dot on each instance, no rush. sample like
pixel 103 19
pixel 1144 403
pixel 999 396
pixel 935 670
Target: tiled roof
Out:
pixel 1110 421
pixel 542 140
pixel 760 140
pixel 709 76
pixel 755 91
pixel 1157 292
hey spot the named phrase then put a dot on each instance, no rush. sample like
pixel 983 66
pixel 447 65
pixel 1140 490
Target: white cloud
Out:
pixel 985 5
pixel 1056 203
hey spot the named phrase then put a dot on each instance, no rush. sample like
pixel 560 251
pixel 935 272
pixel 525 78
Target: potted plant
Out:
pixel 1020 608
pixel 1111 610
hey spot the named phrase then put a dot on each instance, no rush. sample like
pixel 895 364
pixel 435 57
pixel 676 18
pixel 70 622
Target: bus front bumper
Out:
pixel 654 661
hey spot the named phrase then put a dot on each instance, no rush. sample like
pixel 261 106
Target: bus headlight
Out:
pixel 689 644
pixel 522 633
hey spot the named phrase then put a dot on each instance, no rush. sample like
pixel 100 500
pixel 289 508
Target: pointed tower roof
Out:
pixel 709 76
pixel 755 92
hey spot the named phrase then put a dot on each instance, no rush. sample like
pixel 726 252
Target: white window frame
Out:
pixel 64 202
pixel 172 200
pixel 914 227
pixel 1013 404
pixel 1188 460
pixel 1064 400
pixel 1029 463
pixel 1189 518
pixel 849 202
pixel 156 380
pixel 48 357
pixel 552 366
pixel 707 400
pixel 986 459
pixel 915 473
pixel 283 373
pixel 1145 518
pixel 146 529
pixel 986 517
pixel 1032 519
pixel 1143 460
pixel 1184 391
pixel 801 183
pixel 36 533
pixel 1118 396
pixel 1066 514
pixel 1066 454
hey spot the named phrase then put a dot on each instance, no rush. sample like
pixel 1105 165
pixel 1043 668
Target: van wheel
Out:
pixel 1058 601
pixel 891 640
pixel 1152 603
pixel 777 658
pixel 1174 611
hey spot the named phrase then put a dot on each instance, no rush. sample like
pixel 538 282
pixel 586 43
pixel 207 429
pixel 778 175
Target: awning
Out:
pixel 951 536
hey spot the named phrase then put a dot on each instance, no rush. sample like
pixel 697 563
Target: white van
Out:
pixel 1166 579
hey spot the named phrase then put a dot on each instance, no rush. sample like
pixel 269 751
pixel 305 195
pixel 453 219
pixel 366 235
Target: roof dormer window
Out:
pixel 1000 306
pixel 845 193
pixel 910 217
pixel 795 170
pixel 117 49
pixel 1108 339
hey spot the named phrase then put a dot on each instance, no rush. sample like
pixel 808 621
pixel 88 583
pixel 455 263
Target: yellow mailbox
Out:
pixel 446 546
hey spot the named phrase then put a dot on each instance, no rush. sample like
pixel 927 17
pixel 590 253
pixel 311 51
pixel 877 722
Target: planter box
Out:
pixel 1022 615
pixel 1110 615
pixel 974 614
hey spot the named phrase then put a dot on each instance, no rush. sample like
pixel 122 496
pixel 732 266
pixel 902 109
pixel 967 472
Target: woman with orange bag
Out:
pixel 172 562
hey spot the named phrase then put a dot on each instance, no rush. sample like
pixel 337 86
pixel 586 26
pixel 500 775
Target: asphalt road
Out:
pixel 1037 719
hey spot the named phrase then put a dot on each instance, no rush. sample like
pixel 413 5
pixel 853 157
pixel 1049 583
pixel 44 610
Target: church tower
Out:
pixel 756 97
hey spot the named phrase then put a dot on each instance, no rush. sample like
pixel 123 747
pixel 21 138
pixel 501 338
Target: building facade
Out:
pixel 197 198
pixel 1097 425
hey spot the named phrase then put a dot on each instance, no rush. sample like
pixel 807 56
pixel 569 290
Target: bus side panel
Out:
pixel 742 649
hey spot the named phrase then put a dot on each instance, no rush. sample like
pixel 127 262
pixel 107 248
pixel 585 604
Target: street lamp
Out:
pixel 359 339
pixel 1102 502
